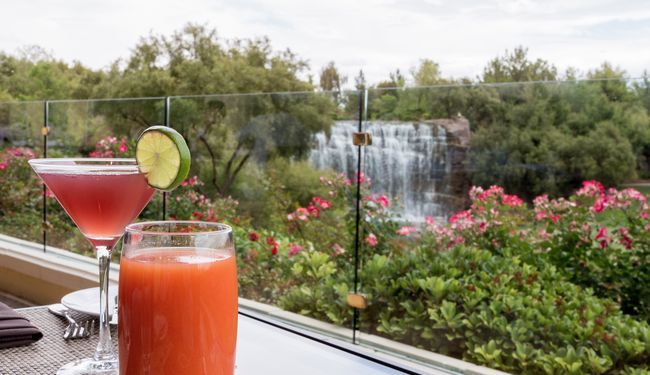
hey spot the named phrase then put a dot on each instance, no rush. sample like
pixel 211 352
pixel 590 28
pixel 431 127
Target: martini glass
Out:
pixel 101 196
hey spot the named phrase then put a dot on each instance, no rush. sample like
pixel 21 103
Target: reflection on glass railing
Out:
pixel 20 190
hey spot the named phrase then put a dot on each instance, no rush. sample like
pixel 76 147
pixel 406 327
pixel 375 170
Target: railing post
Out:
pixel 357 242
pixel 166 123
pixel 45 131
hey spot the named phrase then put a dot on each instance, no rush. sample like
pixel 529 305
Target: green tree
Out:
pixel 225 132
pixel 36 76
pixel 331 79
pixel 516 67
pixel 427 73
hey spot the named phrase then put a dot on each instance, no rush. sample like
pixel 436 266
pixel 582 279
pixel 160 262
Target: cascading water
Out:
pixel 406 161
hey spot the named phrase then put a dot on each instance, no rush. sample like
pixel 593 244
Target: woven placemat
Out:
pixel 52 351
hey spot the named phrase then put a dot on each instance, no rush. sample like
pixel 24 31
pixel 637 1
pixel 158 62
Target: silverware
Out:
pixel 75 329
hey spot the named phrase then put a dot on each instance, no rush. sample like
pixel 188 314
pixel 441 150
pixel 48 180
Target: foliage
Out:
pixel 21 204
pixel 515 67
pixel 597 239
pixel 500 312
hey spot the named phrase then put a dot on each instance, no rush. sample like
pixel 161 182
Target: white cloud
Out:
pixel 376 36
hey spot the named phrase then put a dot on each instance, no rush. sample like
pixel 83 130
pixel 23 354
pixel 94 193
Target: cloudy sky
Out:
pixel 377 36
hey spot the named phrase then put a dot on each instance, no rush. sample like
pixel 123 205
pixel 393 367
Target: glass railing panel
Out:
pixel 500 227
pixel 262 164
pixel 21 194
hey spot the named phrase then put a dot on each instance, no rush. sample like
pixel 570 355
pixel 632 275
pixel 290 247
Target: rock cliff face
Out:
pixel 457 180
pixel 421 164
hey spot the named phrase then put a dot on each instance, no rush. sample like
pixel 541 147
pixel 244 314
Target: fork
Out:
pixel 76 330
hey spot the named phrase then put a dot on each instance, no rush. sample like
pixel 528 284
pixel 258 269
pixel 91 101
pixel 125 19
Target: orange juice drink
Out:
pixel 177 312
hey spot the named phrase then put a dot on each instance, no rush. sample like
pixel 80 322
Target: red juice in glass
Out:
pixel 177 311
pixel 100 204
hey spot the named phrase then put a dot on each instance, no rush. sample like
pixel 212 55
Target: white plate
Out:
pixel 87 300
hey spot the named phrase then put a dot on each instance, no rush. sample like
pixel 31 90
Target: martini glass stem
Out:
pixel 104 351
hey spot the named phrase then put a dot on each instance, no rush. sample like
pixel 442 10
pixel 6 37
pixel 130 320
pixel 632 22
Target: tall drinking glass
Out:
pixel 177 304
pixel 101 196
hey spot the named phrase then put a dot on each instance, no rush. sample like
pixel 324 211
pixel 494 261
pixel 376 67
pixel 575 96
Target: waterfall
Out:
pixel 407 161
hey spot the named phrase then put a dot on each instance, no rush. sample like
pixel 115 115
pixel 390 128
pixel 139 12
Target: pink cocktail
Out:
pixel 101 196
pixel 100 204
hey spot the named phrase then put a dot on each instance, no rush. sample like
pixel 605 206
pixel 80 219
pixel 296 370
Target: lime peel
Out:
pixel 163 156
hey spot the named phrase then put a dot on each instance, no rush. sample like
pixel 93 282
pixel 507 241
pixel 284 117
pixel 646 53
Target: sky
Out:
pixel 376 36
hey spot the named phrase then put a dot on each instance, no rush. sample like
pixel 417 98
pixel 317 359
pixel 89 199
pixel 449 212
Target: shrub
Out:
pixel 597 238
pixel 500 312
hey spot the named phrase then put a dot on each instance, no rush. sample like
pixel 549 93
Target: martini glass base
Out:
pixel 89 366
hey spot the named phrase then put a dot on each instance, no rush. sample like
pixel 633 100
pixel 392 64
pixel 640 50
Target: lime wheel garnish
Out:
pixel 163 156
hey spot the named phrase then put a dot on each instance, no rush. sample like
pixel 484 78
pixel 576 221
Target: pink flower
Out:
pixel 379 200
pixel 461 216
pixel 591 188
pixel 543 234
pixel 302 214
pixel 492 192
pixel 123 147
pixel 337 250
pixel 634 194
pixel 555 218
pixel 371 240
pixel 475 192
pixel 253 236
pixel 194 180
pixel 625 238
pixel 3 166
pixel 601 203
pixel 539 215
pixel 482 227
pixel 294 249
pixel 430 220
pixel 313 210
pixel 49 194
pixel 512 200
pixel 406 230
pixel 322 203
pixel 271 241
pixel 602 236
pixel 540 200
pixel 290 217
pixel 361 178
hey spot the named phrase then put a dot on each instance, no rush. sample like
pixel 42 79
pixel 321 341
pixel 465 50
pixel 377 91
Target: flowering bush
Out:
pixel 21 204
pixel 19 185
pixel 111 147
pixel 598 238
pixel 187 202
